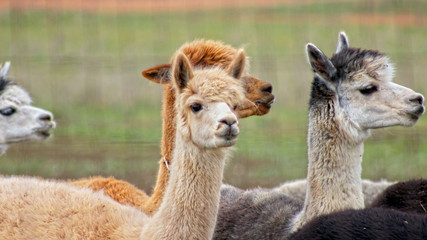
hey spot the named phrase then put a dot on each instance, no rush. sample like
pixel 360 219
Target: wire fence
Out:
pixel 83 60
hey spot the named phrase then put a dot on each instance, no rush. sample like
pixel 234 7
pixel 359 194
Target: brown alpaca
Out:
pixel 33 208
pixel 203 54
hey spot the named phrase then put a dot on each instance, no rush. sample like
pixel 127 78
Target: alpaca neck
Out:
pixel 335 149
pixel 167 145
pixel 191 200
pixel 169 124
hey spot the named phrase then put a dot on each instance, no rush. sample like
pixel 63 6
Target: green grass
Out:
pixel 141 121
pixel 86 68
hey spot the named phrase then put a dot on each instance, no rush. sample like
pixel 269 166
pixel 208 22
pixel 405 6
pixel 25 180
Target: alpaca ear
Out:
pixel 342 42
pixel 320 63
pixel 158 74
pixel 237 66
pixel 4 69
pixel 182 72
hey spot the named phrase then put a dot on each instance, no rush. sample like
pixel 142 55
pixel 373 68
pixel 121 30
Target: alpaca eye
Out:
pixel 234 107
pixel 368 90
pixel 196 107
pixel 7 111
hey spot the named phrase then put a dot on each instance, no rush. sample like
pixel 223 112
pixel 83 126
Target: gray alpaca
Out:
pixel 351 93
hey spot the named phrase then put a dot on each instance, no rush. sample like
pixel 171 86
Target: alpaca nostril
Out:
pixel 45 117
pixel 417 99
pixel 267 88
pixel 228 122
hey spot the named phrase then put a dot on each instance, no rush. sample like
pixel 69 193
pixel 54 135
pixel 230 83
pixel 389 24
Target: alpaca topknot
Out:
pixel 356 60
pixel 207 53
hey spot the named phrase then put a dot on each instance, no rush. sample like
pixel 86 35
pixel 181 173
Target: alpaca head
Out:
pixel 19 121
pixel 360 82
pixel 208 53
pixel 206 101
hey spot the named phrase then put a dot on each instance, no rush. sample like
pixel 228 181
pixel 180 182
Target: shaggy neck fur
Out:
pixel 335 149
pixel 169 126
pixel 199 173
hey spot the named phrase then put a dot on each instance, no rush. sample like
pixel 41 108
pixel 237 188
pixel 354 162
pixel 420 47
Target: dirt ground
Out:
pixel 139 5
pixel 155 6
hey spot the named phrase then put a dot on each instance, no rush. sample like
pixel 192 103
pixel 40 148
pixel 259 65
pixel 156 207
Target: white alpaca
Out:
pixel 206 128
pixel 19 121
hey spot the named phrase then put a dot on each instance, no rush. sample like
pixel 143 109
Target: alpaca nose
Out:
pixel 228 121
pixel 46 117
pixel 418 99
pixel 267 88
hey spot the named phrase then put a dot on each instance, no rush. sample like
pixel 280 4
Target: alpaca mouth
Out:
pixel 259 107
pixel 263 106
pixel 229 136
pixel 44 134
pixel 415 115
pixel 419 111
pixel 266 103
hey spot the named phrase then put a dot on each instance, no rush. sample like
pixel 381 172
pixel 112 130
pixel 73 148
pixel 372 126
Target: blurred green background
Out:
pixel 82 60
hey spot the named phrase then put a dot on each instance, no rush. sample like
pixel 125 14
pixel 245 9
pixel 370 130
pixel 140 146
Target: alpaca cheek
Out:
pixel 183 129
pixel 202 135
pixel 186 133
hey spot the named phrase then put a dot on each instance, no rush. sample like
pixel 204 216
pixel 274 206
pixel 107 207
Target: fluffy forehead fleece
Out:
pixel 215 85
pixel 11 92
pixel 370 62
pixel 207 53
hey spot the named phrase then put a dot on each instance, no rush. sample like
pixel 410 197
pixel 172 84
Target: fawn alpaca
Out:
pixel 201 53
pixel 206 128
